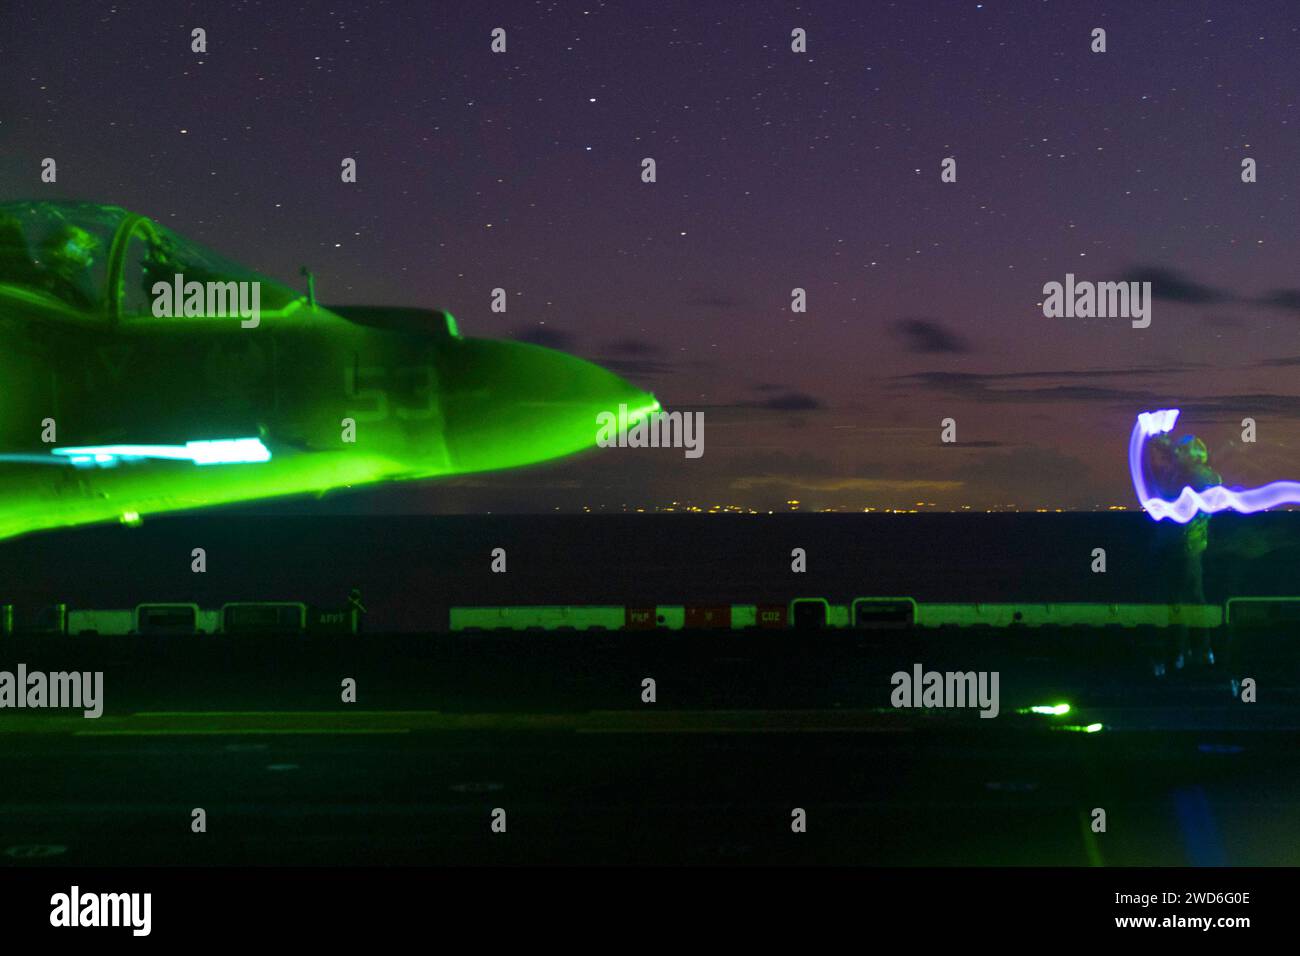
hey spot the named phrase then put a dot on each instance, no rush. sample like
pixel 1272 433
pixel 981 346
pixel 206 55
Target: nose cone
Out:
pixel 511 403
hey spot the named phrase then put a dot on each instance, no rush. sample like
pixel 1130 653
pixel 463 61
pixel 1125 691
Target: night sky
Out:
pixel 776 170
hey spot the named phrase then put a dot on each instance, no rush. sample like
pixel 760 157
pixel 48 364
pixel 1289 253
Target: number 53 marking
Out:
pixel 419 383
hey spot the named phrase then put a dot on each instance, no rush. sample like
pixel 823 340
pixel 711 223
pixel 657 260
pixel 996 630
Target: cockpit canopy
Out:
pixel 95 260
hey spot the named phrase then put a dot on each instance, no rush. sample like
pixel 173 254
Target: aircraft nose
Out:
pixel 513 403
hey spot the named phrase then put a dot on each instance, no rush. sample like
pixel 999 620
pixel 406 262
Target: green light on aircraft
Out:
pixel 231 451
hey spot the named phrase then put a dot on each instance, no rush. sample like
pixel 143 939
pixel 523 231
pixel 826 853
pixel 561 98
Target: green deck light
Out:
pixel 1050 710
pixel 1078 729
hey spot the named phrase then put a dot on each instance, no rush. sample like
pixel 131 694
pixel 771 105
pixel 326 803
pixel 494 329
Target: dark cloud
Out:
pixel 1282 299
pixel 1207 408
pixel 1233 407
pixel 1001 388
pixel 637 367
pixel 637 359
pixel 929 337
pixel 550 337
pixel 781 398
pixel 1173 286
pixel 631 346
pixel 790 402
pixel 1058 386
pixel 1091 373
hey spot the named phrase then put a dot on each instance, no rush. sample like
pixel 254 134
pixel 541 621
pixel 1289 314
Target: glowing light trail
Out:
pixel 1213 499
pixel 225 451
